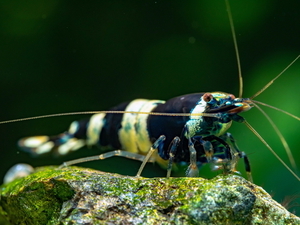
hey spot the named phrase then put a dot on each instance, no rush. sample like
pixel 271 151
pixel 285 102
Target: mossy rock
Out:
pixel 83 196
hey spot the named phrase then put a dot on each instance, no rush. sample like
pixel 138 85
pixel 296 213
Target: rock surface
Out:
pixel 83 196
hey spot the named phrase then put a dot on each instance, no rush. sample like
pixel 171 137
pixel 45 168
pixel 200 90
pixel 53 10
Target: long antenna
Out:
pixel 235 48
pixel 271 150
pixel 114 112
pixel 280 110
pixel 282 139
pixel 271 82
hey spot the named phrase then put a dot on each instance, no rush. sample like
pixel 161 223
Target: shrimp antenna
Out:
pixel 271 150
pixel 280 110
pixel 115 112
pixel 271 82
pixel 235 48
pixel 282 139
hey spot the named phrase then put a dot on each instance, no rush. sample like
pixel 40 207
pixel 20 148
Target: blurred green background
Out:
pixel 65 56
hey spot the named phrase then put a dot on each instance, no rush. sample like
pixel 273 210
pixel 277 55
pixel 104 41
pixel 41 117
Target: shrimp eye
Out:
pixel 207 97
pixel 231 96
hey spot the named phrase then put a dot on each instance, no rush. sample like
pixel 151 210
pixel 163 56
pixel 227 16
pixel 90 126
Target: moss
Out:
pixel 84 196
pixel 35 198
pixel 4 217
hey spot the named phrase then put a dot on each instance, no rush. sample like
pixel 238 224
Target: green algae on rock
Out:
pixel 83 196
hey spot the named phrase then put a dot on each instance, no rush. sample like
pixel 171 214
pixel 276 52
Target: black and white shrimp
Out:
pixel 196 133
